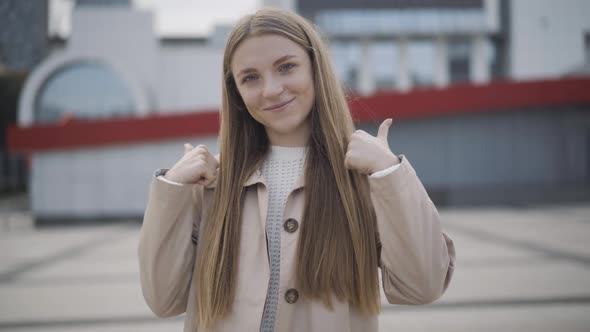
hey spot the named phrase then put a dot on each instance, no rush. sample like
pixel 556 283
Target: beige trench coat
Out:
pixel 417 258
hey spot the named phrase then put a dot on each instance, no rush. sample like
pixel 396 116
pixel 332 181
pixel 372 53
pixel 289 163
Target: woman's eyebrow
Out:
pixel 283 58
pixel 279 60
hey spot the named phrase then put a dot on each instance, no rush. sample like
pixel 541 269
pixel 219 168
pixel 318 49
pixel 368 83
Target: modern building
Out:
pixel 112 67
pixel 481 125
pixel 402 44
pixel 23 45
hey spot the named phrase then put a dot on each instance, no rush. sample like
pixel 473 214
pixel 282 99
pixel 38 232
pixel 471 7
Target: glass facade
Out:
pixel 384 22
pixel 382 59
pixel 84 90
pixel 414 33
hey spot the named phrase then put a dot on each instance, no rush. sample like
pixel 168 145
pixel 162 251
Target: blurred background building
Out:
pixel 23 45
pixel 490 98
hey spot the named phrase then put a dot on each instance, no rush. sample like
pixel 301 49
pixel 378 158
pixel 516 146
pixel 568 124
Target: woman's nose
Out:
pixel 272 87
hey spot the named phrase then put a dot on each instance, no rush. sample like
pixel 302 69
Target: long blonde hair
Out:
pixel 337 250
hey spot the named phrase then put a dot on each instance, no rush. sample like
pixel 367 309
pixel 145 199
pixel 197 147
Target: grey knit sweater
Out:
pixel 281 169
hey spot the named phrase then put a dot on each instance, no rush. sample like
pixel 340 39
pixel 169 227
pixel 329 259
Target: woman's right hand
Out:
pixel 197 165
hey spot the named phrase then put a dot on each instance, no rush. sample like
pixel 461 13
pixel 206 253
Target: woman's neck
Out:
pixel 286 152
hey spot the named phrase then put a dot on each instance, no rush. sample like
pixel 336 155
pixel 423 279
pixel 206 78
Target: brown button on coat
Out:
pixel 291 225
pixel 417 258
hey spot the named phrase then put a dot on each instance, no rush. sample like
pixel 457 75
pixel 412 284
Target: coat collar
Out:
pixel 257 177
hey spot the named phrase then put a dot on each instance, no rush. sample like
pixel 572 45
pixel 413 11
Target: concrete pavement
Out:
pixel 525 269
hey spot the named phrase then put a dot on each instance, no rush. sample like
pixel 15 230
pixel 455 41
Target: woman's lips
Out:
pixel 279 106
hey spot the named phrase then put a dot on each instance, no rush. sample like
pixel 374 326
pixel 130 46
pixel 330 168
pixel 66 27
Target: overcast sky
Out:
pixel 172 17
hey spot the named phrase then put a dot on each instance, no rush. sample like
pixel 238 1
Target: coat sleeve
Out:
pixel 417 259
pixel 167 246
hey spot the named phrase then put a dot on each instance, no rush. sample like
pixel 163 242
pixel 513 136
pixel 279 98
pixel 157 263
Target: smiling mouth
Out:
pixel 277 106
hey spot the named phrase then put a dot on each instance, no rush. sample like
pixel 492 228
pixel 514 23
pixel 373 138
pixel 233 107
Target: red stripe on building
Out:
pixel 457 99
pixel 419 103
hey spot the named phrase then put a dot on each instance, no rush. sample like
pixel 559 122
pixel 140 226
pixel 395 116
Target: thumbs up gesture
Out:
pixel 197 165
pixel 368 154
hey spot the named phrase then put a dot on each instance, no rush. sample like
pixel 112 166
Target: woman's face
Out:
pixel 274 78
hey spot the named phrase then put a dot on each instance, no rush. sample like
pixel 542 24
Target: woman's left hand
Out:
pixel 368 154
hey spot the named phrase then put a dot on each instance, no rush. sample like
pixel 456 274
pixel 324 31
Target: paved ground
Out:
pixel 518 270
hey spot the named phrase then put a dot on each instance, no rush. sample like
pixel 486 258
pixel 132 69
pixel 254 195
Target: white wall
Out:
pixel 176 78
pixel 118 38
pixel 189 78
pixel 102 182
pixel 114 180
pixel 285 4
pixel 547 37
pixel 123 36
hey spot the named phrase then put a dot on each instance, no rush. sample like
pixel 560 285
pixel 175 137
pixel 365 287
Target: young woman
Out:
pixel 286 229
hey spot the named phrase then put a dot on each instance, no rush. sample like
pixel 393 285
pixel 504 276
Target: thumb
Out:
pixel 187 148
pixel 384 130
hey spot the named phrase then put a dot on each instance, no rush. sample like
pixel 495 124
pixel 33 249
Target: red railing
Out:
pixel 421 103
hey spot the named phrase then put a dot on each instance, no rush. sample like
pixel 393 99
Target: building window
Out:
pixel 459 53
pixel 84 90
pixel 345 57
pixel 421 62
pixel 384 59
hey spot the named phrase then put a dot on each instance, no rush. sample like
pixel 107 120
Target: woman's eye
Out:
pixel 285 67
pixel 250 77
